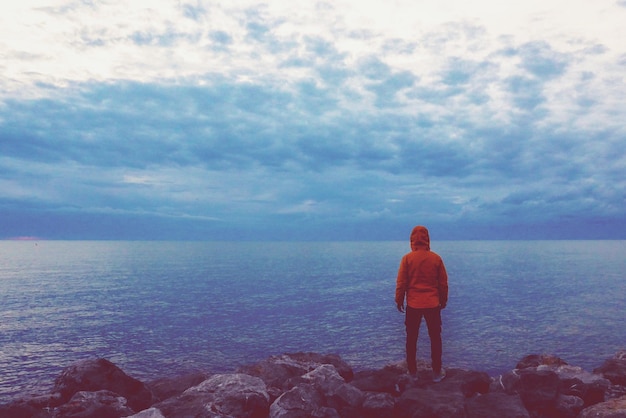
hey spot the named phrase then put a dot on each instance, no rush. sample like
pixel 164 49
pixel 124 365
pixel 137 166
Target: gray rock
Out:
pixel 301 401
pixel 237 395
pixel 100 374
pixel 101 404
pixel 276 371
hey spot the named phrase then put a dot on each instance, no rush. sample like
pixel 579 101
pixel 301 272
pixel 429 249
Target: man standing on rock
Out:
pixel 423 281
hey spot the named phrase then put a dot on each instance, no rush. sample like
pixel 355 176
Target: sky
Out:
pixel 312 120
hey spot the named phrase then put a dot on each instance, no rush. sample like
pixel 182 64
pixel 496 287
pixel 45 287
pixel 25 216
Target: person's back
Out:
pixel 422 280
pixel 422 276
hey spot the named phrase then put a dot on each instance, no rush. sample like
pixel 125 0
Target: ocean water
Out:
pixel 163 308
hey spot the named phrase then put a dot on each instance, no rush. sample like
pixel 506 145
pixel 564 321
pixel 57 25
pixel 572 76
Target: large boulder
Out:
pixel 237 395
pixel 101 404
pixel 613 408
pixel 94 375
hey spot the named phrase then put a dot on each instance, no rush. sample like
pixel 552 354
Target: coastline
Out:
pixel 324 385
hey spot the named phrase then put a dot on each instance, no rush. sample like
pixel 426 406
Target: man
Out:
pixel 423 282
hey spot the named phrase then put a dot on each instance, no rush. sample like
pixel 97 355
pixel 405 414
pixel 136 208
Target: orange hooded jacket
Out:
pixel 422 276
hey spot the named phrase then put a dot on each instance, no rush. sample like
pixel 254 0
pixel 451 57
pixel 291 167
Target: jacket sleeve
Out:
pixel 401 282
pixel 443 285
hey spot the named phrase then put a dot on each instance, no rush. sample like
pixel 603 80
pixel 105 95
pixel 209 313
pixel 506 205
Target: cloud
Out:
pixel 235 116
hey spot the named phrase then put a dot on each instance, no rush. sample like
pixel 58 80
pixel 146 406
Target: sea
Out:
pixel 159 309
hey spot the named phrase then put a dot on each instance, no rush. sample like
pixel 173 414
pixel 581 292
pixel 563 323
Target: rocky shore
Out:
pixel 324 386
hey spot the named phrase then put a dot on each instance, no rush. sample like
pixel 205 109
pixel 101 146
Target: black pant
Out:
pixel 433 322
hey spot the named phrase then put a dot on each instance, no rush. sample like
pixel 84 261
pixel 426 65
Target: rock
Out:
pixel 100 374
pixel 496 405
pixel 508 383
pixel 468 382
pixel 590 387
pixel 325 378
pixel 334 390
pixel 614 369
pixel 31 407
pixel 101 404
pixel 430 403
pixel 387 379
pixel 539 389
pixel 613 408
pixel 169 387
pixel 277 370
pixel 301 401
pixel 148 413
pixel 238 395
pixel 536 360
pixel 346 396
pixel 568 406
pixel 377 405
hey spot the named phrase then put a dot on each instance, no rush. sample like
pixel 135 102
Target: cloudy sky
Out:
pixel 293 119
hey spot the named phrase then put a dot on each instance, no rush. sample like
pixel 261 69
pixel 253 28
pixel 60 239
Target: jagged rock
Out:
pixel 496 405
pixel 346 396
pixel 299 402
pixel 238 395
pixel 335 392
pixel 100 374
pixel 430 403
pixel 169 387
pixel 277 370
pixel 613 408
pixel 377 405
pixel 614 369
pixel 101 404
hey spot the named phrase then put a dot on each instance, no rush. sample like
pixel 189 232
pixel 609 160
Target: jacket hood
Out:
pixel 420 238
